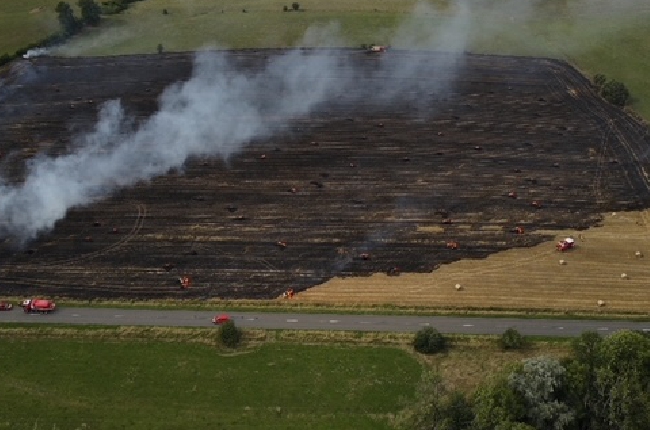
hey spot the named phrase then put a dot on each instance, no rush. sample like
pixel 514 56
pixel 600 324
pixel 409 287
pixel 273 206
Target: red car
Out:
pixel 6 306
pixel 220 319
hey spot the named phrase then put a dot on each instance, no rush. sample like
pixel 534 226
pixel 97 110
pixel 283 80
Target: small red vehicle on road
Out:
pixel 221 319
pixel 6 306
pixel 40 306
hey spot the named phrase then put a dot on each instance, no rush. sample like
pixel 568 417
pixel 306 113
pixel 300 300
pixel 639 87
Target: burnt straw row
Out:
pixel 497 149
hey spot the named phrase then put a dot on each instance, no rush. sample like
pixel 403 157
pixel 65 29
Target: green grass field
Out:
pixel 25 21
pixel 65 384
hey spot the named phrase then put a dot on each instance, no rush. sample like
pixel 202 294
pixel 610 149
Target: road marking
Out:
pixel 118 316
pixel 253 319
pixel 333 321
pixel 292 321
pixel 365 322
pixel 468 325
pixel 560 328
pixel 603 328
pixel 425 324
pixel 645 329
pixel 75 315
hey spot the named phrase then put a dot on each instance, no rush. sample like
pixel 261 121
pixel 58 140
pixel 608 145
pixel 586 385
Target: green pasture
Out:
pixel 66 384
pixel 25 21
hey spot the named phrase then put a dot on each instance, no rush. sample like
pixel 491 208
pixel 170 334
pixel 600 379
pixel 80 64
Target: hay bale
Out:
pixel 458 287
pixel 562 263
pixel 638 254
pixel 624 276
pixel 601 303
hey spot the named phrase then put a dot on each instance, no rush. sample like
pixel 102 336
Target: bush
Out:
pixel 295 5
pixel 6 59
pixel 429 341
pixel 230 335
pixel 512 339
pixel 615 92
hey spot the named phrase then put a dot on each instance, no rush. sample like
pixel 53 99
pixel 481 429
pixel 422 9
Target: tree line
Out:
pixel 604 384
pixel 90 15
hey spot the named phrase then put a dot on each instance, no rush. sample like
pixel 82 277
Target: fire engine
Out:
pixel 565 245
pixel 41 306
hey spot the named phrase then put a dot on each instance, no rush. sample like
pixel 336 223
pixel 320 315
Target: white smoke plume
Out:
pixel 213 113
pixel 216 113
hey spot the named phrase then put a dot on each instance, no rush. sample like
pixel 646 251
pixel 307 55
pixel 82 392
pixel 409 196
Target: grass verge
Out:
pixel 283 306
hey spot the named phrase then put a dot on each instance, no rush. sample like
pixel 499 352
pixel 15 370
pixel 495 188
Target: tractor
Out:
pixel 565 245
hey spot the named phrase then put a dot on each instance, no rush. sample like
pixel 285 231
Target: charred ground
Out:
pixel 356 187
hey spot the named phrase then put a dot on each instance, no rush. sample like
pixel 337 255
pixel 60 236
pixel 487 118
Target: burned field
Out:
pixel 360 185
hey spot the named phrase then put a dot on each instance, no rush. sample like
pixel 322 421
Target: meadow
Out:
pixel 23 22
pixel 85 377
pixel 69 384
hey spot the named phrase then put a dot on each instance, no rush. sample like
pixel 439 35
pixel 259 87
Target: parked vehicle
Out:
pixel 221 319
pixel 41 306
pixel 6 306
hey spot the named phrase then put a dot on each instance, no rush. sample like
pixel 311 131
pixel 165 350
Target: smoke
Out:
pixel 557 28
pixel 101 39
pixel 36 52
pixel 215 113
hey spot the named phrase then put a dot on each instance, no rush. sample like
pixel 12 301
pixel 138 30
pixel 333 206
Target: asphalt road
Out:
pixel 393 323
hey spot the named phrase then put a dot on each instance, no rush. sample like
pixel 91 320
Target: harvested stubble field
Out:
pixel 355 188
pixel 523 279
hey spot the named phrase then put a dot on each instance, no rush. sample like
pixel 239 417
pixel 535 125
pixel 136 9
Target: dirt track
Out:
pixel 375 179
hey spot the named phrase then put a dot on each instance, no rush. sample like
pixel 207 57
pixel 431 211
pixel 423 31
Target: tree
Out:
pixel 70 25
pixel 457 412
pixel 615 92
pixel 495 404
pixel 623 382
pixel 436 408
pixel 160 48
pixel 508 425
pixel 429 341
pixel 295 5
pixel 599 80
pixel 90 12
pixel 230 335
pixel 542 385
pixel 581 374
pixel 512 339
